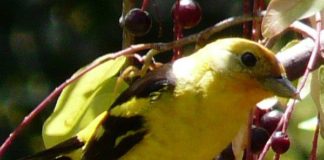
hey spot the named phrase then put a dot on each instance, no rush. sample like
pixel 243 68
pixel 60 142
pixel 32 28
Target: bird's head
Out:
pixel 248 60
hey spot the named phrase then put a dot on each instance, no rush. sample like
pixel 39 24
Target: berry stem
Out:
pixel 303 29
pixel 256 23
pixel 310 65
pixel 247 26
pixel 145 5
pixel 276 157
pixel 28 119
pixel 286 117
pixel 130 51
pixel 158 17
pixel 128 39
pixel 313 155
pixel 177 30
pixel 51 97
pixel 178 35
pixel 249 154
pixel 125 52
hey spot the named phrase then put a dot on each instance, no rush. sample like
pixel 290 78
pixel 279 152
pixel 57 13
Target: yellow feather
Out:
pixel 213 97
pixel 215 89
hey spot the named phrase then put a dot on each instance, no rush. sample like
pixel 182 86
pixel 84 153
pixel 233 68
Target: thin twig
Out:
pixel 161 47
pixel 256 23
pixel 313 155
pixel 248 153
pixel 177 31
pixel 247 11
pixel 310 66
pixel 128 39
pixel 50 98
pixel 286 117
pixel 304 29
pixel 204 35
pixel 298 27
pixel 158 17
pixel 295 59
pixel 128 51
pixel 276 157
pixel 145 4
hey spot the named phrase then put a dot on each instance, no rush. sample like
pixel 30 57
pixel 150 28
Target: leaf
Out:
pixel 281 13
pixel 317 93
pixel 289 44
pixel 239 143
pixel 309 124
pixel 82 101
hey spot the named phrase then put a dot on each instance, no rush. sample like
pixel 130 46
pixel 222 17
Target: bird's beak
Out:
pixel 281 87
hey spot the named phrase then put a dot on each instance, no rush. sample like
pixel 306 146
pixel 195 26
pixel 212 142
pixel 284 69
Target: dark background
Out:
pixel 43 42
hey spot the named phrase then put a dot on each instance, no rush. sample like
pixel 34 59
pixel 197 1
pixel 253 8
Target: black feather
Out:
pixel 57 150
pixel 106 146
pixel 152 82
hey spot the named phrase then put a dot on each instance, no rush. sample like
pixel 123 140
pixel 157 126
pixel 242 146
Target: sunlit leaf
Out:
pixel 82 101
pixel 309 124
pixel 281 13
pixel 240 142
pixel 310 98
pixel 317 94
pixel 289 44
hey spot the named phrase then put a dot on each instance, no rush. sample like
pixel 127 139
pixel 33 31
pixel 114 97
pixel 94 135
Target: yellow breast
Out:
pixel 198 124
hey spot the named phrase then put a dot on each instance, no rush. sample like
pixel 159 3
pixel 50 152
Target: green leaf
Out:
pixel 289 44
pixel 281 13
pixel 310 96
pixel 317 93
pixel 309 125
pixel 82 101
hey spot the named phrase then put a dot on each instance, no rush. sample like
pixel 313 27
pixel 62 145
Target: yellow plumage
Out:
pixel 212 100
pixel 195 110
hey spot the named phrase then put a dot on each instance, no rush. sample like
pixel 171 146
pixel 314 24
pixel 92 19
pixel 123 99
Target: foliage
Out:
pixel 82 101
pixel 43 43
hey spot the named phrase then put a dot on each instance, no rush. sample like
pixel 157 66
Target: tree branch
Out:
pixel 295 59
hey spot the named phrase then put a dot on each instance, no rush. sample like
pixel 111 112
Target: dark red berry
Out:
pixel 138 22
pixel 264 107
pixel 188 14
pixel 259 137
pixel 258 113
pixel 270 120
pixel 226 154
pixel 280 142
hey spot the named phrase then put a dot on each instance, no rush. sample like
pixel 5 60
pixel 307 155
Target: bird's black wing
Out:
pixel 104 147
pixel 56 152
pixel 107 147
pixel 161 79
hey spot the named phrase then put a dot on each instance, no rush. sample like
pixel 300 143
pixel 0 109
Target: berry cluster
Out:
pixel 268 123
pixel 264 125
pixel 187 14
pixel 138 22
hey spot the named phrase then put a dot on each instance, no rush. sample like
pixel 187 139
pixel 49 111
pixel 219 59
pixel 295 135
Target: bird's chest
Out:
pixel 188 128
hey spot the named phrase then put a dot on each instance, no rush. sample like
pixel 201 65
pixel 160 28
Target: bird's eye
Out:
pixel 248 59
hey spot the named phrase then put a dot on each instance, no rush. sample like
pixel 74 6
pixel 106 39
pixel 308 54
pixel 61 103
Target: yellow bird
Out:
pixel 190 109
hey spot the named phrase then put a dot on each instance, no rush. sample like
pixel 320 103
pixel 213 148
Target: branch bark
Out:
pixel 295 59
